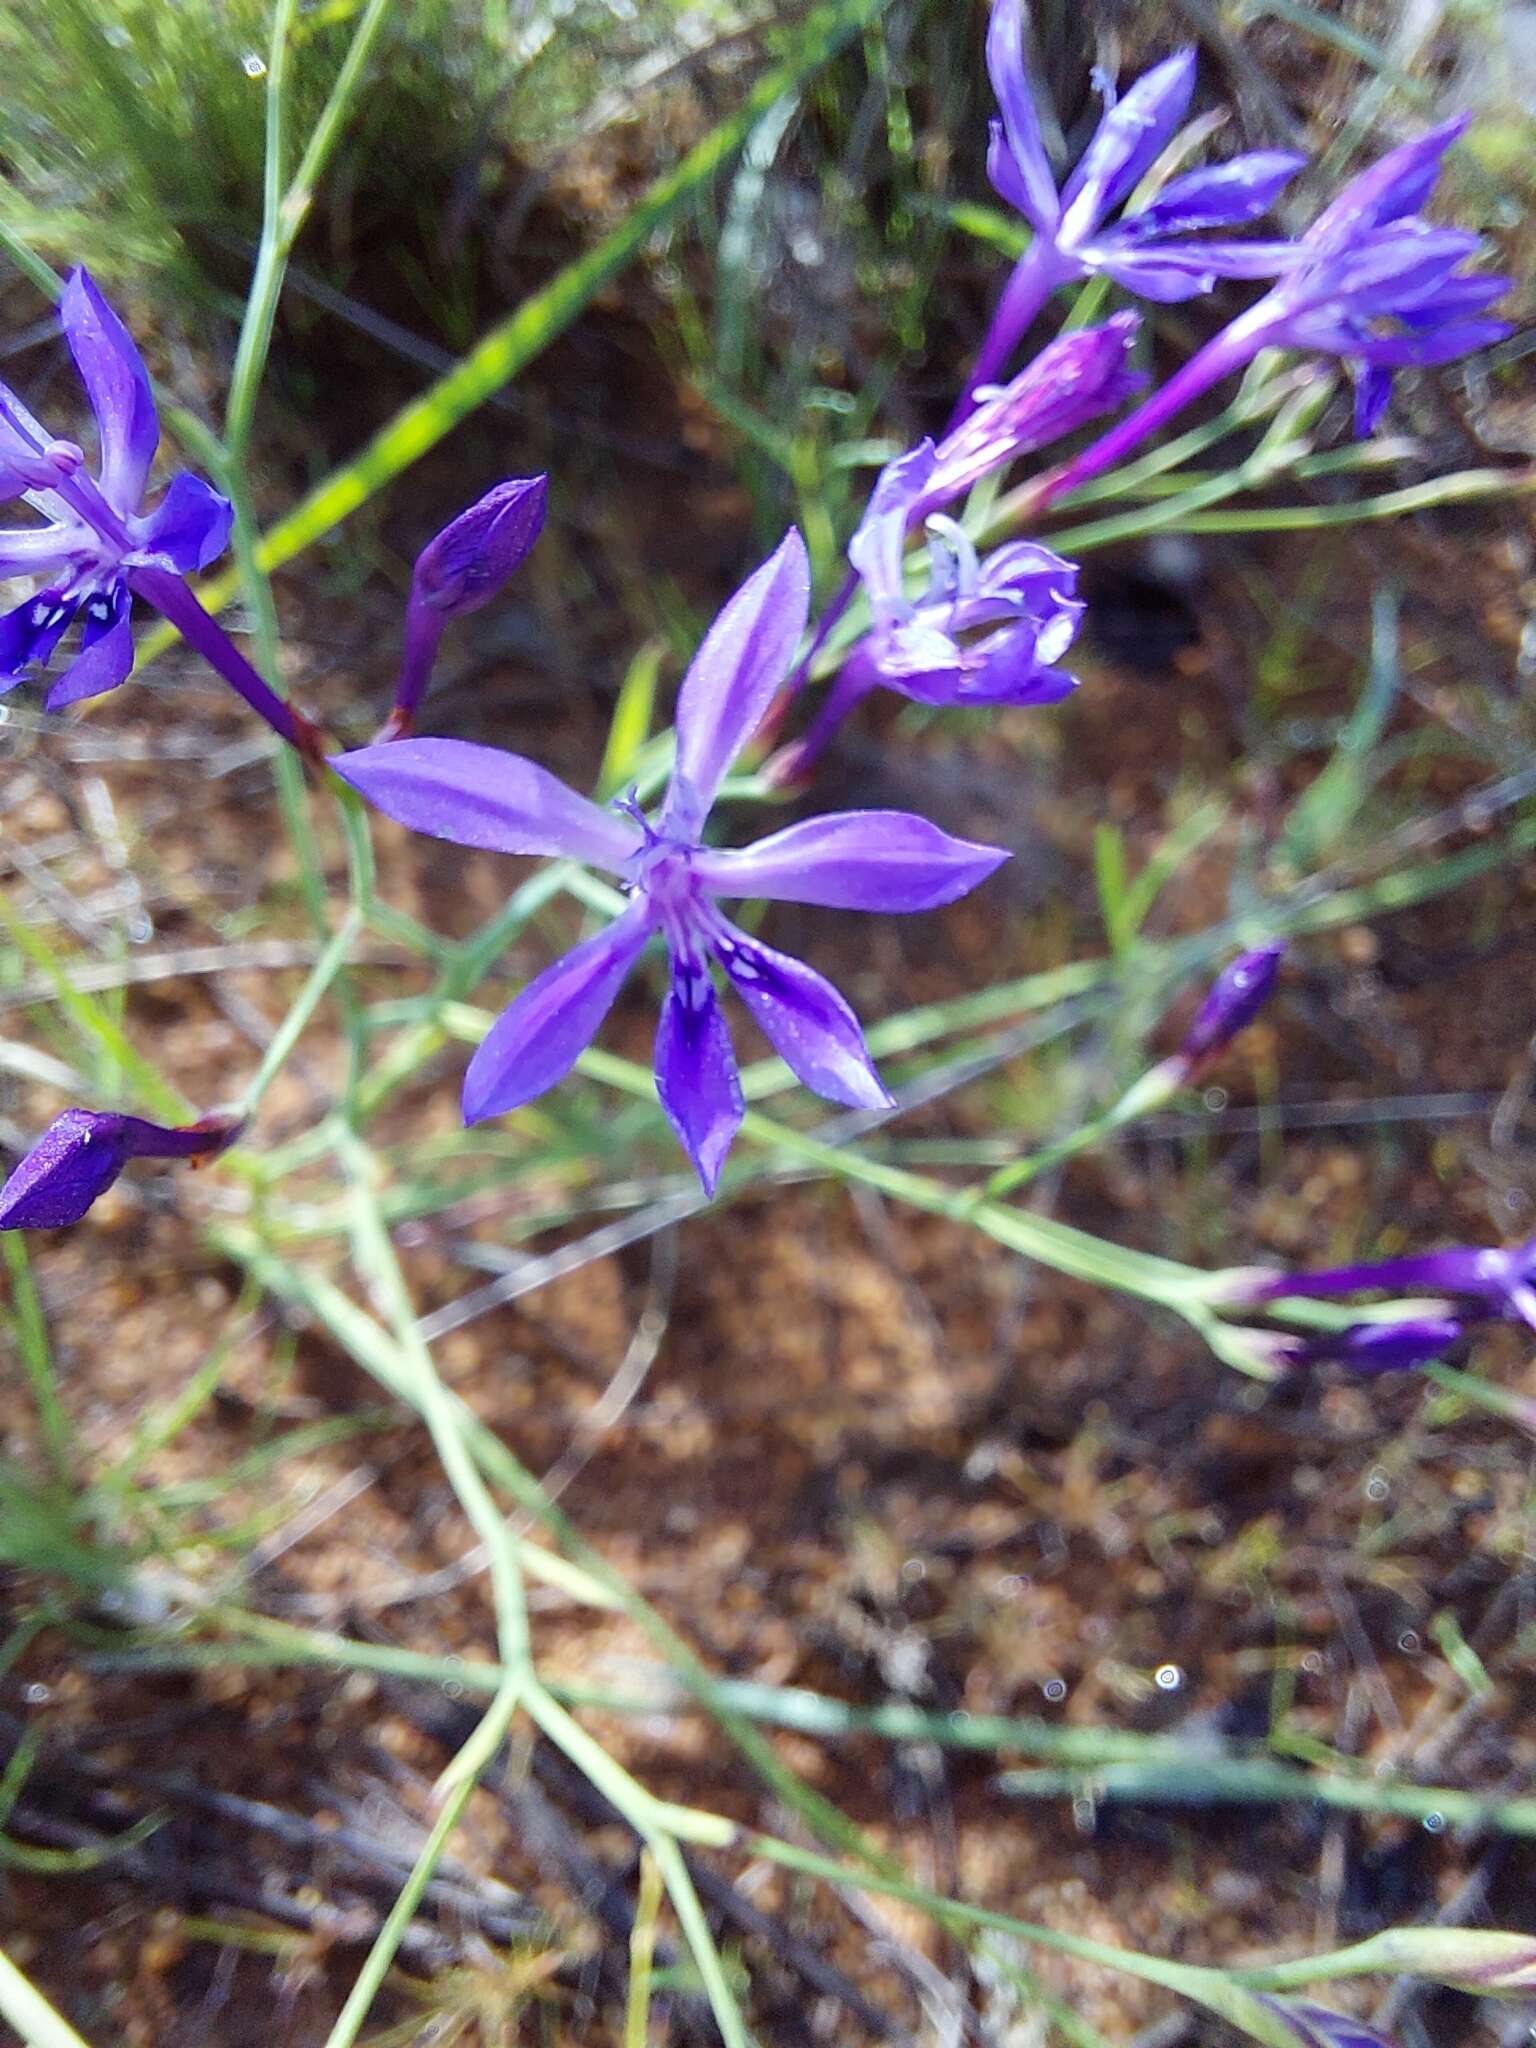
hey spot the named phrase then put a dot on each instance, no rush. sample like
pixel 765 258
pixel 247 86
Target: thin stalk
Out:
pixel 30 2013
pixel 365 1989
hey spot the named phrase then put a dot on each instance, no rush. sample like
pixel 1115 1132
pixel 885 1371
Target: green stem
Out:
pixel 30 2013
pixel 387 1942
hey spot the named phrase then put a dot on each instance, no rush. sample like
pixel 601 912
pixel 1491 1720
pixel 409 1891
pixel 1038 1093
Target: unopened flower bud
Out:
pixel 457 572
pixel 1236 997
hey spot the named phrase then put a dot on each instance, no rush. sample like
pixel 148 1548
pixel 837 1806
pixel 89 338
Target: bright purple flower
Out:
pixel 983 631
pixel 855 860
pixel 81 1154
pixel 1147 252
pixel 457 572
pixel 1502 1280
pixel 1371 282
pixel 96 536
pixel 1154 253
pixel 1236 997
pixel 1380 287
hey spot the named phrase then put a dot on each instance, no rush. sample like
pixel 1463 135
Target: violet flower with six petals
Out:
pixel 857 860
pixel 96 536
pixel 1152 252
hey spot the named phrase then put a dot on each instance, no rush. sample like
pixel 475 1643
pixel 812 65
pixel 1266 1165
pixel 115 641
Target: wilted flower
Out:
pixel 983 631
pixel 1071 381
pixel 81 1154
pixel 856 860
pixel 457 572
pixel 1152 252
pixel 96 535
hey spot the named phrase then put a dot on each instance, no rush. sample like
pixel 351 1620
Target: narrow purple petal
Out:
pixel 1383 1347
pixel 804 1019
pixel 731 680
pixel 539 1036
pixel 468 562
pixel 1131 136
pixel 117 385
pixel 1373 394
pixel 1220 195
pixel 1435 345
pixel 1488 1271
pixel 1319 2026
pixel 879 543
pixel 1389 189
pixel 32 629
pixel 853 860
pixel 34 550
pixel 696 1075
pixel 1171 271
pixel 1025 166
pixel 189 529
pixel 480 796
pixel 106 650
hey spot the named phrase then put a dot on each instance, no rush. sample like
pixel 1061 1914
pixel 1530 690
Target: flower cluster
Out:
pixel 1371 282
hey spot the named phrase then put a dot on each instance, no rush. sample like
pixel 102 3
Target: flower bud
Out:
pixel 457 572
pixel 1236 997
pixel 81 1154
pixel 467 563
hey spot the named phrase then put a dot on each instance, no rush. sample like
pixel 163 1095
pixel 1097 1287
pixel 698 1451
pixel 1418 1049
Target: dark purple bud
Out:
pixel 462 569
pixel 1381 1347
pixel 1236 997
pixel 465 566
pixel 83 1151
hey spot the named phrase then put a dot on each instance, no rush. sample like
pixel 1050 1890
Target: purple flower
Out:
pixel 1236 997
pixel 1149 252
pixel 855 860
pixel 81 1154
pixel 1379 286
pixel 1155 252
pixel 96 536
pixel 457 572
pixel 983 631
pixel 1501 1280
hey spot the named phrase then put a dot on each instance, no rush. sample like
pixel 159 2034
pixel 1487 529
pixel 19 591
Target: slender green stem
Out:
pixel 30 2013
pixel 271 256
pixel 387 1942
